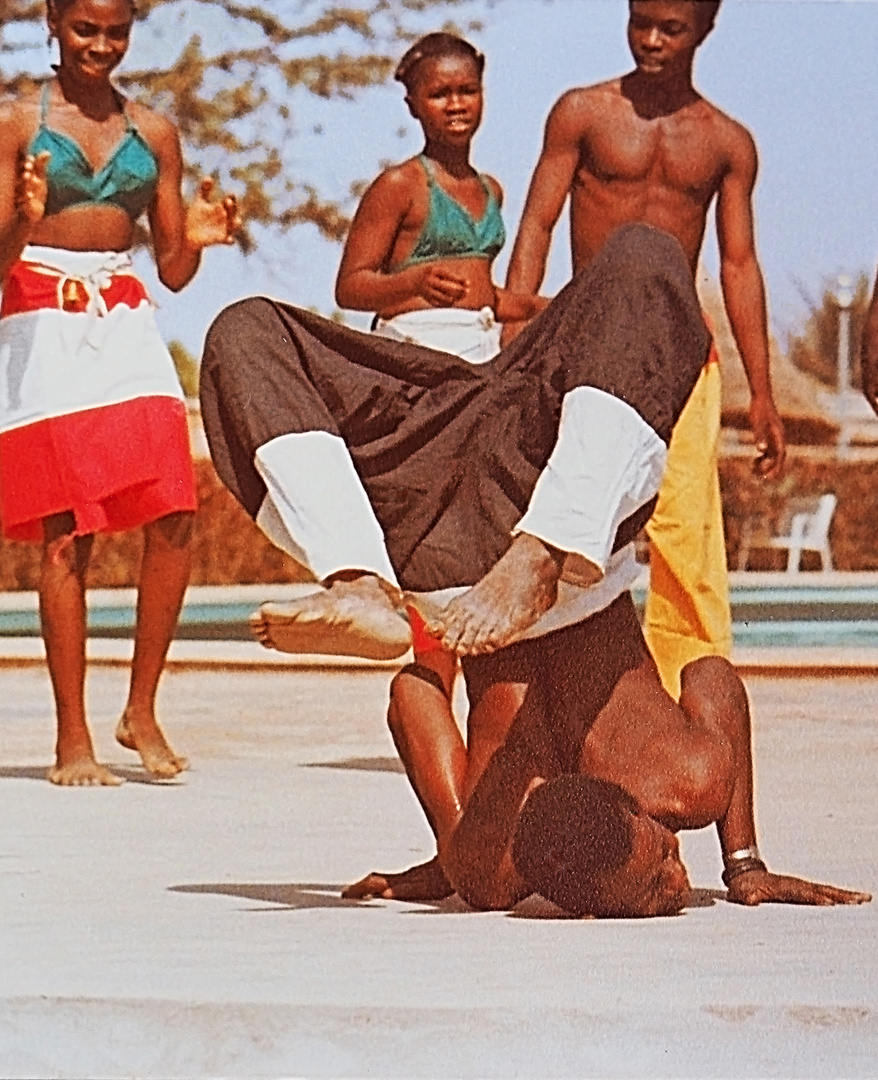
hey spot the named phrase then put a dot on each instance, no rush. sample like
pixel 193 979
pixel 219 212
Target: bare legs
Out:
pixel 62 616
pixel 442 770
pixel 164 575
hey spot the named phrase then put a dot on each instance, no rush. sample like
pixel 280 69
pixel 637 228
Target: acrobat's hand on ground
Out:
pixel 762 887
pixel 768 432
pixel 208 222
pixel 32 187
pixel 508 600
pixel 426 881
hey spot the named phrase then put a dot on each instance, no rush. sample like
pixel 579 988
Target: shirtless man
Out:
pixel 869 351
pixel 598 770
pixel 648 147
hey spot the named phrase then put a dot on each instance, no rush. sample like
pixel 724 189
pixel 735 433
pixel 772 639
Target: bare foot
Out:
pixel 82 772
pixel 147 738
pixel 426 881
pixel 508 600
pixel 350 618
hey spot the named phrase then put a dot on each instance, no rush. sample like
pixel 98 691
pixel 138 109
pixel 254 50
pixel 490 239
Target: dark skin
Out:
pixel 446 99
pixel 687 765
pixel 93 37
pixel 869 352
pixel 649 148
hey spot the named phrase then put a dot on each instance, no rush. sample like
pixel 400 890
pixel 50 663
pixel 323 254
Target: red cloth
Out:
pixel 116 466
pixel 422 640
pixel 32 288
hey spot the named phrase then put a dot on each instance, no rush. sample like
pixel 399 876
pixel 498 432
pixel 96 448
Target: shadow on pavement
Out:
pixel 24 772
pixel 361 764
pixel 699 898
pixel 132 773
pixel 306 896
pixel 286 897
pixel 303 896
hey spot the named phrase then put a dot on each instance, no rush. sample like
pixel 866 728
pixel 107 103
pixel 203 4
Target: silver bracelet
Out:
pixel 741 855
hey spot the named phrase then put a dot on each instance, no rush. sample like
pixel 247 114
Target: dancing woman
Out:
pixel 93 432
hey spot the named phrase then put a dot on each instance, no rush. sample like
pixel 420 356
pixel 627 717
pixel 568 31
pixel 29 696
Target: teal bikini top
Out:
pixel 128 179
pixel 450 232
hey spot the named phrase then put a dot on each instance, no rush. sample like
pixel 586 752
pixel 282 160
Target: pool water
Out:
pixel 763 617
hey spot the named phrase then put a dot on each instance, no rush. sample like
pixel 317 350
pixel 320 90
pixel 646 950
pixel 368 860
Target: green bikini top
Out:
pixel 127 180
pixel 450 232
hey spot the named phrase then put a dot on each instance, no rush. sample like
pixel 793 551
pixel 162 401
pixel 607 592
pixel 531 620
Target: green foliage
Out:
pixel 815 349
pixel 187 366
pixel 231 84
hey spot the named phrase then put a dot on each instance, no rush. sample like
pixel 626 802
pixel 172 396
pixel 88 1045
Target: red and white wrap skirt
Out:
pixel 92 416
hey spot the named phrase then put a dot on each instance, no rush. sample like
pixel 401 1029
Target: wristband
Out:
pixel 740 862
pixel 740 855
pixel 743 866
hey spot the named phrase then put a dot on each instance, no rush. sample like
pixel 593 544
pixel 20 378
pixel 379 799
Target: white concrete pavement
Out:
pixel 195 929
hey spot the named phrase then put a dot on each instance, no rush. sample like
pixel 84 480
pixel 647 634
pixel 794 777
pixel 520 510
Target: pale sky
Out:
pixel 800 74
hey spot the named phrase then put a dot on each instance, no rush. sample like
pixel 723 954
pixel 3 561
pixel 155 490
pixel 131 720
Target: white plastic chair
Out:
pixel 806 522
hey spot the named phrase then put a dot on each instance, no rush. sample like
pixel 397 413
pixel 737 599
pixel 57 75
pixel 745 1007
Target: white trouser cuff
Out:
pixel 607 462
pixel 316 508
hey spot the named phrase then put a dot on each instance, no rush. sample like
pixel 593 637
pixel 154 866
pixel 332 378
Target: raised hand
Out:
pixel 32 187
pixel 209 222
pixel 762 887
pixel 440 288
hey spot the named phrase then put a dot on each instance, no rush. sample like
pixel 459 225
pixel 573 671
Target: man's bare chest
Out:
pixel 679 157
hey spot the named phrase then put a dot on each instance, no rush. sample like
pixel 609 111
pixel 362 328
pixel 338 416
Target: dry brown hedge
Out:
pixel 229 549
pixel 854 532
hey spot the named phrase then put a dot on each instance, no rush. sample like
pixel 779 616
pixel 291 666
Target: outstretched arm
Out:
pixel 744 295
pixel 714 696
pixel 549 188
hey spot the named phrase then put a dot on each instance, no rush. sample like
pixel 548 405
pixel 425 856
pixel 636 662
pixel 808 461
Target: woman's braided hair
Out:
pixel 432 45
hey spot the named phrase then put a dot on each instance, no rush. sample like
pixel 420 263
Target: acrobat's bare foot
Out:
pixel 82 772
pixel 508 600
pixel 350 618
pixel 426 881
pixel 143 734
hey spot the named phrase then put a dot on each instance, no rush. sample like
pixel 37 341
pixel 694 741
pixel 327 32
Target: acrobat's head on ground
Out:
pixel 587 846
